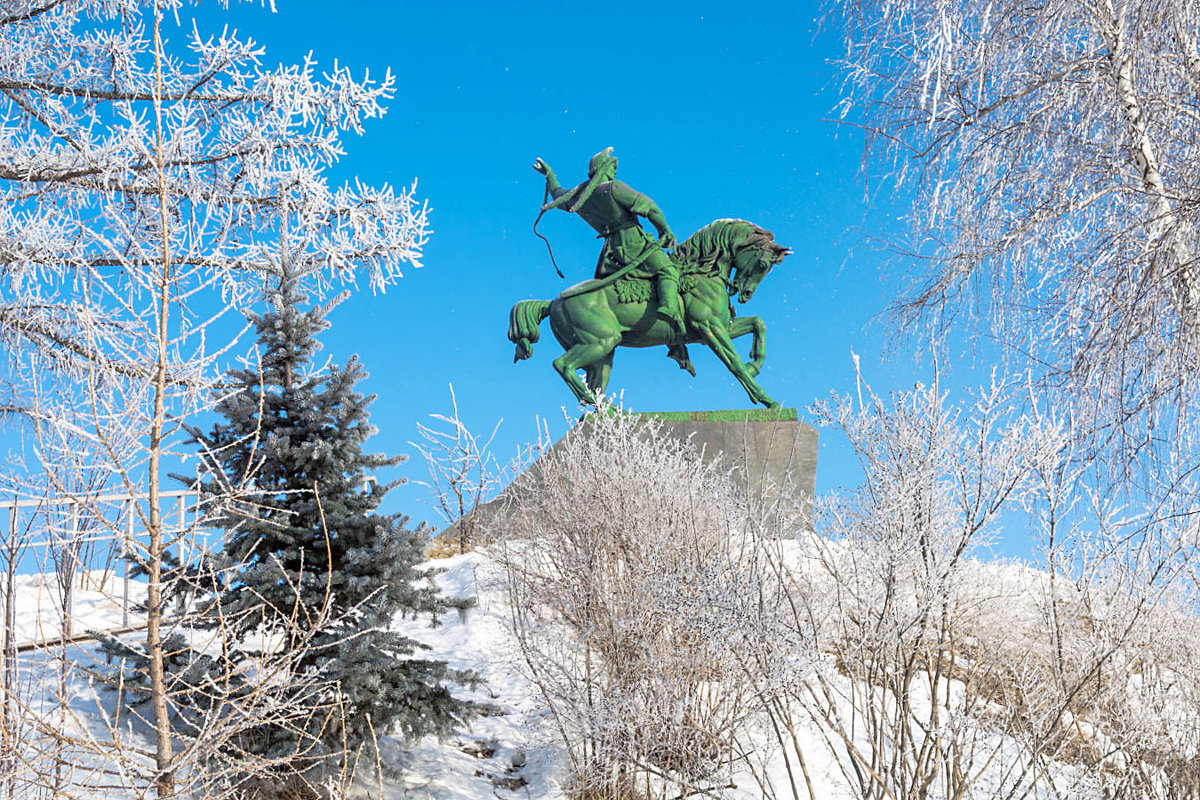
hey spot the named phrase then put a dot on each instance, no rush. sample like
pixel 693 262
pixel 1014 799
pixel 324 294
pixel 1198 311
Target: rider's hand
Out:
pixel 666 240
pixel 542 167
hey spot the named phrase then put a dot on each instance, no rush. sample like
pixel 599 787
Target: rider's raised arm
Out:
pixel 552 185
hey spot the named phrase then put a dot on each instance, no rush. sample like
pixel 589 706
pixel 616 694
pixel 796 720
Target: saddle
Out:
pixel 644 290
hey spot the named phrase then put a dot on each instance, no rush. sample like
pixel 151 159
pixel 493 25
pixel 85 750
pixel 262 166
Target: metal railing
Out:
pixel 70 538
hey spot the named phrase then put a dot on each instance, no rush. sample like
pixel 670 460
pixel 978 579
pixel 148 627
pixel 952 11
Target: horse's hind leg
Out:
pixel 598 374
pixel 584 356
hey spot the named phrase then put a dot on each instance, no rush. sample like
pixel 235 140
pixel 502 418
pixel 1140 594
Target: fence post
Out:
pixel 10 604
pixel 181 517
pixel 69 563
pixel 10 651
pixel 126 552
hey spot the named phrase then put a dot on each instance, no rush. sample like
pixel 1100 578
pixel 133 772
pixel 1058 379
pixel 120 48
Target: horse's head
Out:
pixel 739 252
pixel 752 262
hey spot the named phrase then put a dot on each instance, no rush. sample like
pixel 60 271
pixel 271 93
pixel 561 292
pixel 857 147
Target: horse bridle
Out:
pixel 729 283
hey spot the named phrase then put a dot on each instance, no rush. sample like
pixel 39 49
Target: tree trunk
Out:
pixel 1163 221
pixel 163 756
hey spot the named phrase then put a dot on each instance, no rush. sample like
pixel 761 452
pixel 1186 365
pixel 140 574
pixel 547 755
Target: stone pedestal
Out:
pixel 771 451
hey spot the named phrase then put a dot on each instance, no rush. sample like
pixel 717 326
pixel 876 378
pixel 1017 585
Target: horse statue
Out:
pixel 726 258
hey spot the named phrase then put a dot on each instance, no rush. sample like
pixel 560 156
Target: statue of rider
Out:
pixel 612 208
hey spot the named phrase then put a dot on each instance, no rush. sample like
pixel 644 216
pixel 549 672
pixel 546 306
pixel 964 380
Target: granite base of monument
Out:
pixel 772 455
pixel 769 451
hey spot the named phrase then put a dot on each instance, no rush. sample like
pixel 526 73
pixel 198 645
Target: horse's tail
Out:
pixel 524 323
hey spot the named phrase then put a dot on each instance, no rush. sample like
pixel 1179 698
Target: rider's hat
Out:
pixel 600 161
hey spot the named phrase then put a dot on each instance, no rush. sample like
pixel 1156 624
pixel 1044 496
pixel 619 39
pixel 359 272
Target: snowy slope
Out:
pixel 513 750
pixel 97 604
pixel 509 753
pixel 500 754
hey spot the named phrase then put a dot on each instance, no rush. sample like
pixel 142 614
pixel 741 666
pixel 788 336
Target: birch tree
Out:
pixel 1051 153
pixel 152 174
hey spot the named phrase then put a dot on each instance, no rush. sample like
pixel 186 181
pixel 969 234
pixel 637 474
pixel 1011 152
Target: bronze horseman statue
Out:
pixel 642 295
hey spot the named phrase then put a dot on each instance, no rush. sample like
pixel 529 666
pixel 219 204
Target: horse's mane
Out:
pixel 719 239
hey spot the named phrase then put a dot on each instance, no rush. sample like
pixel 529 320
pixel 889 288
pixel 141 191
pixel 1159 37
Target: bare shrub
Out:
pixel 637 589
pixel 462 474
pixel 886 594
pixel 678 651
pixel 935 674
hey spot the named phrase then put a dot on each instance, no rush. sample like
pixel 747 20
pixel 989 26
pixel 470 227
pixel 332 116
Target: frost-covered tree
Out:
pixel 306 536
pixel 1051 152
pixel 929 672
pixel 152 174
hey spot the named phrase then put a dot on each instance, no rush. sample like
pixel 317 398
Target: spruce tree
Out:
pixel 307 544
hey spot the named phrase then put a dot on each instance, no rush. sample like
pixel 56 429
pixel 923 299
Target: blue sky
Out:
pixel 714 110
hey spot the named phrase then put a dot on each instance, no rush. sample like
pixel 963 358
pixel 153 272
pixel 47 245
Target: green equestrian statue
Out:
pixel 726 259
pixel 612 208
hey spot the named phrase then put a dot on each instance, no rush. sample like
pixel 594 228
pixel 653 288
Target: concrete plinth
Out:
pixel 772 453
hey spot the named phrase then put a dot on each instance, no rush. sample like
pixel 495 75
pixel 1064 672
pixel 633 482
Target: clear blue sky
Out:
pixel 715 110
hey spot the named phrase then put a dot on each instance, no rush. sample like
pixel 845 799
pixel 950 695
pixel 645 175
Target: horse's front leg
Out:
pixel 758 350
pixel 717 338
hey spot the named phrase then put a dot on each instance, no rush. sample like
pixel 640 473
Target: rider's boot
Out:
pixel 679 352
pixel 668 302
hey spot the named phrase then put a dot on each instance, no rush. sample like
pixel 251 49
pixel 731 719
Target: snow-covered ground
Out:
pixel 99 598
pixel 502 753
pixel 512 750
pixel 506 753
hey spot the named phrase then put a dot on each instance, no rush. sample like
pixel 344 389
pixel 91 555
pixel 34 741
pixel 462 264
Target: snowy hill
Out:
pixel 987 748
pixel 503 751
pixel 842 705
